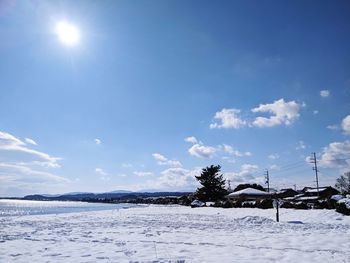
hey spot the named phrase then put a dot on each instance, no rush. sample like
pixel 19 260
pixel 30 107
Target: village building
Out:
pixel 248 194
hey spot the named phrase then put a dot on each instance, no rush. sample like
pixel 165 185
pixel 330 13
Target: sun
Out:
pixel 67 33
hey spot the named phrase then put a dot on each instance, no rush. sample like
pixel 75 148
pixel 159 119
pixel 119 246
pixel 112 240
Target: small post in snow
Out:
pixel 276 204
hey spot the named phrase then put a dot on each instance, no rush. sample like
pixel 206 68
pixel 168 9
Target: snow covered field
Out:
pixel 177 234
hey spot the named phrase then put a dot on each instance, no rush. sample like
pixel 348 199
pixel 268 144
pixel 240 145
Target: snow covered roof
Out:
pixel 337 197
pixel 314 190
pixel 307 198
pixel 248 191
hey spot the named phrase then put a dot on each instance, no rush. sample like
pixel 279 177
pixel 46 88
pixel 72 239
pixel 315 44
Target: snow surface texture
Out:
pixel 177 234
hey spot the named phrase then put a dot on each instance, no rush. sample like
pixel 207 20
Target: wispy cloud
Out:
pixel 325 93
pixel 143 174
pixel 9 142
pixel 97 141
pixel 191 139
pixel 126 165
pixel 18 172
pixel 301 146
pixel 162 160
pixel 30 141
pixel 333 127
pixel 102 174
pixel 24 169
pixel 230 150
pixel 274 156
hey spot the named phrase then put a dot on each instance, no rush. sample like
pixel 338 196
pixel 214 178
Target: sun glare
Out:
pixel 67 33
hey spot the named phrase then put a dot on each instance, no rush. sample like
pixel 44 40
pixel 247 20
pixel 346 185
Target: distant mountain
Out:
pixel 118 195
pixel 49 195
pixel 119 192
pixel 76 193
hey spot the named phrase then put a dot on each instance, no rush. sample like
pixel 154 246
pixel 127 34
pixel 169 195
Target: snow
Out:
pixel 337 197
pixel 346 201
pixel 248 191
pixel 177 234
pixel 314 190
pixel 197 203
pixel 305 198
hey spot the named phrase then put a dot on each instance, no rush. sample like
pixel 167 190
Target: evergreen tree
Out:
pixel 213 184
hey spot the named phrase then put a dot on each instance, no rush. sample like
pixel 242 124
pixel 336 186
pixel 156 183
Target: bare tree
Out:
pixel 343 183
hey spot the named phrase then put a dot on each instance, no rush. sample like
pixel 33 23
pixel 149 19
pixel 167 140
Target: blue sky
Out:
pixel 154 91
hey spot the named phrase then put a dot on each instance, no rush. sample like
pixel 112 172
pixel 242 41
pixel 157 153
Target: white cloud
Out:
pixel 162 160
pixel 301 145
pixel 178 178
pixel 346 125
pixel 102 174
pixel 100 171
pixel 126 165
pixel 9 142
pixel 336 155
pixel 19 180
pixel 200 150
pixel 333 127
pixel 315 112
pixel 98 141
pixel 30 141
pixel 24 170
pixel 245 175
pixel 274 167
pixel 230 150
pixel 191 139
pixel 171 179
pixel 274 156
pixel 174 179
pixel 228 119
pixel 229 159
pixel 324 93
pixel 22 173
pixel 143 174
pixel 282 113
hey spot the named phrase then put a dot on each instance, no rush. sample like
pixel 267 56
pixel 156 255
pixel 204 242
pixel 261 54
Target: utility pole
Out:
pixel 229 185
pixel 267 178
pixel 295 187
pixel 314 161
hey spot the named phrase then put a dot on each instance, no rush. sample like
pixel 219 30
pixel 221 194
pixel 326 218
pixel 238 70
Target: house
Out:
pixel 288 192
pixel 310 196
pixel 249 194
pixel 322 192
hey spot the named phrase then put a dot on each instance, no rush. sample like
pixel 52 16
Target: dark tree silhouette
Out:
pixel 213 184
pixel 244 186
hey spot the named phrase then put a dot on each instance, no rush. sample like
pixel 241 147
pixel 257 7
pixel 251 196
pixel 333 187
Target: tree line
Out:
pixel 213 184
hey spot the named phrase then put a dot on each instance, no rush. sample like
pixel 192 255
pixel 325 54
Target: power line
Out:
pixel 292 164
